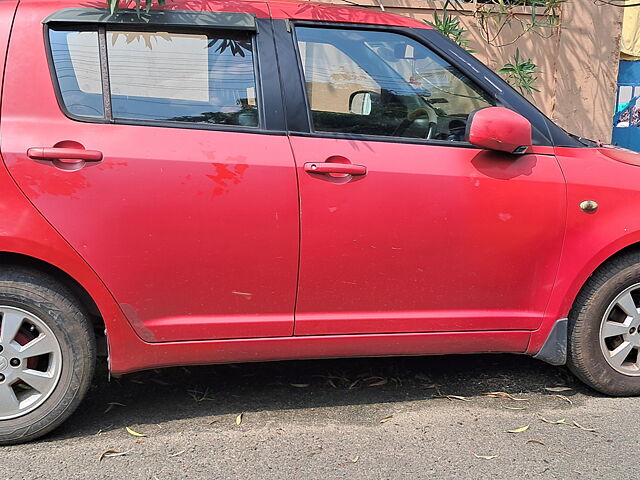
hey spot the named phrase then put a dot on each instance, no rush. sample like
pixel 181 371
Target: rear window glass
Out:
pixel 161 76
pixel 77 65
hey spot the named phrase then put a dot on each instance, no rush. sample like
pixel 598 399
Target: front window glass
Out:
pixel 382 83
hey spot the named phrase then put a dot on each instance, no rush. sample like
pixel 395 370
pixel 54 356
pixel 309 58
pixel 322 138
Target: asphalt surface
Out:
pixel 360 418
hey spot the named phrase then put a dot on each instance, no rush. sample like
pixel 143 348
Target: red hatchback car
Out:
pixel 226 181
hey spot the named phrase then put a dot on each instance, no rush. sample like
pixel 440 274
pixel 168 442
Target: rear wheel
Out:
pixel 604 336
pixel 47 354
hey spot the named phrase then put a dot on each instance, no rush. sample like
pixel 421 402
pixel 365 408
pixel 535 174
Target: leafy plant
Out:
pixel 113 4
pixel 521 73
pixel 495 15
pixel 451 27
pixel 237 47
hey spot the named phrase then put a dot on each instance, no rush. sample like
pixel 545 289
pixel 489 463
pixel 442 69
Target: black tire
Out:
pixel 584 355
pixel 58 308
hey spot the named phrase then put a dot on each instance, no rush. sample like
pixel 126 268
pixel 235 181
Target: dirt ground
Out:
pixel 386 418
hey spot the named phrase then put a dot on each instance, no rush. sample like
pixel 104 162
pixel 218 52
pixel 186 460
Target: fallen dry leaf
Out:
pixel 160 382
pixel 239 419
pixel 315 452
pixel 562 397
pixel 537 442
pixel 584 428
pixel 133 433
pixel 453 397
pixel 515 408
pixel 519 430
pixel 110 406
pixel 111 453
pixel 486 457
pixel 177 453
pixel 379 383
pixel 559 388
pixel 386 419
pixel 562 421
pixel 199 396
pixel 355 459
pixel 505 395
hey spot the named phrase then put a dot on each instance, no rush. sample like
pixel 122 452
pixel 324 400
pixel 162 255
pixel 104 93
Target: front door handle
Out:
pixel 64 155
pixel 331 167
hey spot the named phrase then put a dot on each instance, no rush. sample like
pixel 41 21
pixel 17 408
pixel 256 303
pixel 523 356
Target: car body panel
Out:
pixel 414 245
pixel 510 319
pixel 145 218
pixel 591 238
pixel 153 355
pixel 317 12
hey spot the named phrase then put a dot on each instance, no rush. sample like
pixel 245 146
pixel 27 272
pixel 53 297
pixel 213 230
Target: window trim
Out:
pixel 548 133
pixel 159 18
pixel 265 118
pixel 367 137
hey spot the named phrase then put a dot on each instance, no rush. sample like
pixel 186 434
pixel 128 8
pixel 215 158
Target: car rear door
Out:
pixel 155 145
pixel 7 11
pixel 402 233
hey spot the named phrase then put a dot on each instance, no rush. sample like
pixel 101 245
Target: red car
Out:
pixel 231 181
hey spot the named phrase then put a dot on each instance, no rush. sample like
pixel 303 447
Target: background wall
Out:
pixel 578 63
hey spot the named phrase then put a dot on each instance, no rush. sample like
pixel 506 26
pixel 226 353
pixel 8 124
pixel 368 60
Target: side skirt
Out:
pixel 140 355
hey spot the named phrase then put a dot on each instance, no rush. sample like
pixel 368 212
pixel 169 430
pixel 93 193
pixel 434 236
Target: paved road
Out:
pixel 360 418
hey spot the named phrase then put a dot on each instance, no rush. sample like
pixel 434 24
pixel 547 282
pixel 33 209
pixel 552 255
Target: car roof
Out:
pixel 279 9
pixel 314 11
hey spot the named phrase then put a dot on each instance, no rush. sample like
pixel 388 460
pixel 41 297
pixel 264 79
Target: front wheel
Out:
pixel 604 329
pixel 47 355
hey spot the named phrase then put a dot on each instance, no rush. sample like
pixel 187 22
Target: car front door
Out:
pixel 405 227
pixel 163 161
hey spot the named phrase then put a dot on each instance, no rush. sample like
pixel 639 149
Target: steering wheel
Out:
pixel 427 110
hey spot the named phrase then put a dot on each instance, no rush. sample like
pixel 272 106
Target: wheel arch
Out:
pixel 12 259
pixel 602 261
pixel 568 288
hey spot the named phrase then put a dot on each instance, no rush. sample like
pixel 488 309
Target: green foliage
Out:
pixel 493 16
pixel 521 73
pixel 450 26
pixel 113 4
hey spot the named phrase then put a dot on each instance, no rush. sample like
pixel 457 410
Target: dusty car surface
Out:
pixel 235 181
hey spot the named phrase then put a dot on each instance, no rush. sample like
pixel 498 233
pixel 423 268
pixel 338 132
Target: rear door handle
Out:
pixel 64 155
pixel 331 167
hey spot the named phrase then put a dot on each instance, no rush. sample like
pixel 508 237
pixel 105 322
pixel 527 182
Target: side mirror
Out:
pixel 360 102
pixel 498 128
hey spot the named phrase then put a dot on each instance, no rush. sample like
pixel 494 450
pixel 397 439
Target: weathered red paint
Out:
pixel 198 246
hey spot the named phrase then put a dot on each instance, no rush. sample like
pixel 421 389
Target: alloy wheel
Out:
pixel 620 334
pixel 30 362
